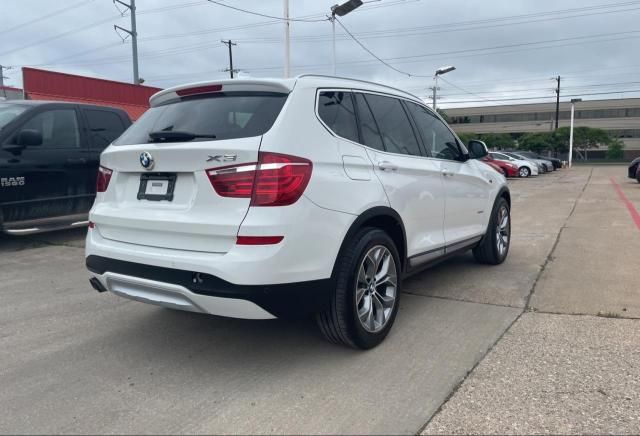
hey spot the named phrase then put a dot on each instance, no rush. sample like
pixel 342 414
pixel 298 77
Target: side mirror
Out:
pixel 477 149
pixel 29 137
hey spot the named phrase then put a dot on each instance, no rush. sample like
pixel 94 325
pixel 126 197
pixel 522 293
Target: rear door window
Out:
pixel 336 109
pixel 370 133
pixel 215 117
pixel 395 127
pixel 104 127
pixel 58 127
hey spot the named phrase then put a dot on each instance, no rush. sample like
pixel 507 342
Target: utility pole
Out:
pixel 286 39
pixel 557 102
pixel 134 36
pixel 229 43
pixel 2 75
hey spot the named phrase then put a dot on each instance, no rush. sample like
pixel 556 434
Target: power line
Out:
pixel 405 32
pixel 61 35
pixel 46 17
pixel 265 15
pixel 407 59
pixel 91 50
pixel 458 87
pixel 624 91
pixel 486 94
pixel 358 63
pixel 369 51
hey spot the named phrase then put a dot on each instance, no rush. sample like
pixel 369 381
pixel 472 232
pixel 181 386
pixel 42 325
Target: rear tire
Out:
pixel 524 172
pixel 365 301
pixel 494 247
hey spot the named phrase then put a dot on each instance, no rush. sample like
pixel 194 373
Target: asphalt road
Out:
pixel 76 361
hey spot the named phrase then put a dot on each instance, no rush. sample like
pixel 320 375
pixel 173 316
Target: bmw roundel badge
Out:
pixel 146 160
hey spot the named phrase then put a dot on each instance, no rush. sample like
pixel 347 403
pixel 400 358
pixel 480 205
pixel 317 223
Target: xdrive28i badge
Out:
pixel 146 160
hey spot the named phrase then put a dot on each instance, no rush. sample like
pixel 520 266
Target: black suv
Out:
pixel 49 158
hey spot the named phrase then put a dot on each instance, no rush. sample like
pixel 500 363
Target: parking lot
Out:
pixel 545 342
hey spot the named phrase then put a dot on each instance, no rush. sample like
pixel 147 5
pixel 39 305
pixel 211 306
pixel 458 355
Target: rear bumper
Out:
pixel 200 292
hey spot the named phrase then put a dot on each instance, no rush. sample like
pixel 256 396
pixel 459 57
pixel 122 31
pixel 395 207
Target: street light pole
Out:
pixel 333 26
pixel 573 104
pixel 435 92
pixel 439 72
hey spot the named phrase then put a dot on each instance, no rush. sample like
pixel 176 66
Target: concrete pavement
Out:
pixel 571 363
pixel 82 362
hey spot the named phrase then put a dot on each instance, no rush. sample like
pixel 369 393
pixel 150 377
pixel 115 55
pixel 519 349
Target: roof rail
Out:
pixel 358 80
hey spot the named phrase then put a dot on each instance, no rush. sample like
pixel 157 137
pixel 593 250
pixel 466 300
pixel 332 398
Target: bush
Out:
pixel 615 151
pixel 500 141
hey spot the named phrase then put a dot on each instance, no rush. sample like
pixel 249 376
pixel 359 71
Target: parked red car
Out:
pixel 506 168
pixel 494 166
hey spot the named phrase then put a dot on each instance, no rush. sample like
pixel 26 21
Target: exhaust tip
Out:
pixel 95 284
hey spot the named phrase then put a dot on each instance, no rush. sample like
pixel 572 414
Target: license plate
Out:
pixel 156 187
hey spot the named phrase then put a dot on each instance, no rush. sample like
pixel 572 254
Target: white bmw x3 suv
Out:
pixel 276 198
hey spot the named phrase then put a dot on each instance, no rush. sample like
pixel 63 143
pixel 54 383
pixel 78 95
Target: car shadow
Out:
pixel 67 237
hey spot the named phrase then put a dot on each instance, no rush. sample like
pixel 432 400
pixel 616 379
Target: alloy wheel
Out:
pixel 503 231
pixel 376 288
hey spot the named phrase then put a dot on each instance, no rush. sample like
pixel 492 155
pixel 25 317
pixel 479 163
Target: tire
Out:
pixel 494 246
pixel 524 172
pixel 504 172
pixel 340 323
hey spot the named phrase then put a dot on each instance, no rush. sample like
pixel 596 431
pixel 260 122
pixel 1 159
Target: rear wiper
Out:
pixel 176 136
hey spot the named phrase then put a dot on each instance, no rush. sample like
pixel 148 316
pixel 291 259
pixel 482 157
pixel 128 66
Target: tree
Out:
pixel 499 141
pixel 466 137
pixel 537 142
pixel 616 150
pixel 443 114
pixel 584 138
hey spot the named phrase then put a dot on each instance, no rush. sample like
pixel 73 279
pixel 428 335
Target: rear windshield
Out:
pixel 210 118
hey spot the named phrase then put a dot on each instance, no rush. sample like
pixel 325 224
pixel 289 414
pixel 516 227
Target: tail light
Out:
pixel 276 180
pixel 104 177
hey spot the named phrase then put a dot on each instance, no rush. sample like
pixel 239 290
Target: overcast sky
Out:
pixel 502 49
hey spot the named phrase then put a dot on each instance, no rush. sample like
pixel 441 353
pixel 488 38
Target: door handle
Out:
pixel 387 166
pixel 76 161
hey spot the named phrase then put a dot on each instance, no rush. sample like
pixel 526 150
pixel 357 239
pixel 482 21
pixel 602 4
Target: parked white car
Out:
pixel 525 167
pixel 273 198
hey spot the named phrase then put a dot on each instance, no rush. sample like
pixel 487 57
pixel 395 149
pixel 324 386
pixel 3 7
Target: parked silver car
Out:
pixel 543 165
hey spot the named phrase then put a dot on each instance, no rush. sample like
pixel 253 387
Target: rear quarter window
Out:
pixel 223 115
pixel 336 109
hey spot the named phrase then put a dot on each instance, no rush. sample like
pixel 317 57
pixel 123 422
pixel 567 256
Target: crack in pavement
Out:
pixel 526 308
pixel 460 300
